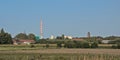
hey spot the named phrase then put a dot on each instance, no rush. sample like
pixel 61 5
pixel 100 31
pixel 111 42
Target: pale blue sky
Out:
pixel 69 17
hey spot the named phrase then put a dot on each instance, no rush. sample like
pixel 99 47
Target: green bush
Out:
pixel 32 46
pixel 76 44
pixel 69 44
pixel 59 44
pixel 85 45
pixel 94 45
pixel 47 45
pixel 118 45
pixel 114 46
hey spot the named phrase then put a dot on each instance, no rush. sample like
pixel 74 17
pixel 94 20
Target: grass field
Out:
pixel 25 52
pixel 41 46
pixel 38 56
pixel 61 54
pixel 65 51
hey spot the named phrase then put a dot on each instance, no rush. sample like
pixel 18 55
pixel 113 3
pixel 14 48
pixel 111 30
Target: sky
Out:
pixel 68 17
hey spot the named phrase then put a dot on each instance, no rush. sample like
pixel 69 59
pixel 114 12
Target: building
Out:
pixel 78 39
pixel 106 41
pixel 68 37
pixel 52 37
pixel 23 42
pixel 88 34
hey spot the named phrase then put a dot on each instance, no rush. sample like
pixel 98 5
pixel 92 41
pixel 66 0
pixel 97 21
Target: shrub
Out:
pixel 59 44
pixel 118 45
pixel 85 45
pixel 32 46
pixel 94 45
pixel 78 44
pixel 47 45
pixel 114 46
pixel 69 44
pixel 111 42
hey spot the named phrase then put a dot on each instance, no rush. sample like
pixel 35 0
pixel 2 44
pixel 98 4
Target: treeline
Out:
pixel 75 44
pixel 30 36
pixel 6 38
pixel 105 38
pixel 80 44
pixel 70 43
pixel 92 42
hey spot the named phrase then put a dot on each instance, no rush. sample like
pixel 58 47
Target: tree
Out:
pixel 94 45
pixel 58 37
pixel 112 42
pixel 85 45
pixel 31 36
pixel 118 45
pixel 5 38
pixel 78 44
pixel 114 46
pixel 63 36
pixel 117 40
pixel 21 36
pixel 2 31
pixel 70 44
pixel 111 37
pixel 42 41
pixel 59 44
pixel 47 45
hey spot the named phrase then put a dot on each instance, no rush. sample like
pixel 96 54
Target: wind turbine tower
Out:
pixel 41 29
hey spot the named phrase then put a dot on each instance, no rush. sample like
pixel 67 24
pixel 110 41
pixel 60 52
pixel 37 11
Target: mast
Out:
pixel 41 28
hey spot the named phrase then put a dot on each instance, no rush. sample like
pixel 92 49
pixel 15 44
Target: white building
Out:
pixel 52 37
pixel 68 37
pixel 106 41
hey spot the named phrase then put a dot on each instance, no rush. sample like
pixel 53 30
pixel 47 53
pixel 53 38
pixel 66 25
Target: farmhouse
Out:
pixel 77 39
pixel 23 42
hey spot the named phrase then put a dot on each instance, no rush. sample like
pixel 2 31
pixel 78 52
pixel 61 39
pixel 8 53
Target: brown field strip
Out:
pixel 67 51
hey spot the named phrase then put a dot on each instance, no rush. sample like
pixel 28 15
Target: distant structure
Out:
pixel 23 42
pixel 24 32
pixel 88 34
pixel 52 37
pixel 68 37
pixel 41 29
